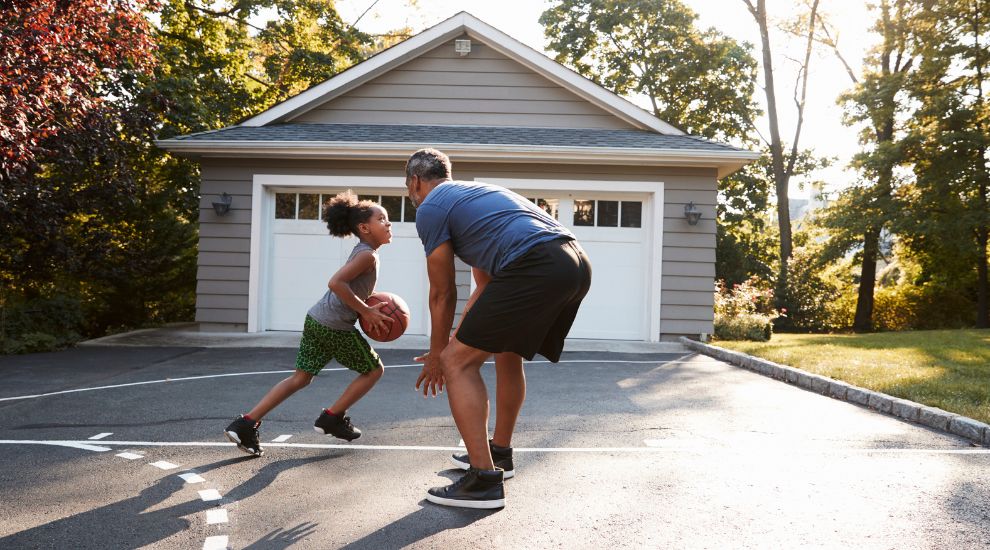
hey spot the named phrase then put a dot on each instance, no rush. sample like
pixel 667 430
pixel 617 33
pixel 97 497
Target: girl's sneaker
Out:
pixel 336 425
pixel 244 433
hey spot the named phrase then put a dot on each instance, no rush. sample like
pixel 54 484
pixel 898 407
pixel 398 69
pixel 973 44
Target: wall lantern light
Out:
pixel 223 205
pixel 692 213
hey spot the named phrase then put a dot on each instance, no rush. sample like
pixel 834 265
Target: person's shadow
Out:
pixel 429 520
pixel 125 524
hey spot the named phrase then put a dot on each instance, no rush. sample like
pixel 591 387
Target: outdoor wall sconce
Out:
pixel 691 212
pixel 223 206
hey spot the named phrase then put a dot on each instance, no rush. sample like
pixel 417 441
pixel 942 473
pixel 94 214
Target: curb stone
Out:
pixel 931 417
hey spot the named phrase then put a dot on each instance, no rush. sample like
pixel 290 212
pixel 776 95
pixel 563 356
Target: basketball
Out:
pixel 396 308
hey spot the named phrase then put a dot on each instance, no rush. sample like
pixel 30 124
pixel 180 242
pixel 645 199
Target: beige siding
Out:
pixel 688 251
pixel 483 88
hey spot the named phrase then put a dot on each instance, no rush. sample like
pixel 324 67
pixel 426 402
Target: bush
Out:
pixel 748 326
pixel 40 324
pixel 744 312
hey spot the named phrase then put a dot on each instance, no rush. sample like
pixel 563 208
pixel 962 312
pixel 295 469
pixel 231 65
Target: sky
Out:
pixel 822 131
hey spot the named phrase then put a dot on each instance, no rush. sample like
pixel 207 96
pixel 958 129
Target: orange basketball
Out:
pixel 396 308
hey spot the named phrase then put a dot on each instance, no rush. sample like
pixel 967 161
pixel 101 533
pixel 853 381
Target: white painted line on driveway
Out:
pixel 218 542
pixel 420 365
pixel 79 445
pixel 130 456
pixel 102 435
pixel 683 447
pixel 192 478
pixel 281 438
pixel 209 495
pixel 460 442
pixel 164 465
pixel 216 516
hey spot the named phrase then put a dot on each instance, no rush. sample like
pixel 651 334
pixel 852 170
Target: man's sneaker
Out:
pixel 477 489
pixel 502 456
pixel 337 426
pixel 244 433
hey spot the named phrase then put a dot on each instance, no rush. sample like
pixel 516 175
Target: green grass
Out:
pixel 948 369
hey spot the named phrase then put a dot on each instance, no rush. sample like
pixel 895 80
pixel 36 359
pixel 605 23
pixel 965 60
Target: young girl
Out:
pixel 329 332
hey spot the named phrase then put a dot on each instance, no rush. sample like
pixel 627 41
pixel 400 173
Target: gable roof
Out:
pixel 462 23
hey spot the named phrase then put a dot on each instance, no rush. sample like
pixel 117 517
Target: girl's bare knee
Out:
pixel 300 379
pixel 376 373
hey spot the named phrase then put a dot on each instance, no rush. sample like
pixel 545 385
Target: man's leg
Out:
pixel 510 393
pixel 468 399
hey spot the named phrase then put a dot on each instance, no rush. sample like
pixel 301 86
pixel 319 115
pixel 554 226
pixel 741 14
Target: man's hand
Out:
pixel 431 377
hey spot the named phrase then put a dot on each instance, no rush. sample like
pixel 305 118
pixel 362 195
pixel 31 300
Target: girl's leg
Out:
pixel 356 390
pixel 280 392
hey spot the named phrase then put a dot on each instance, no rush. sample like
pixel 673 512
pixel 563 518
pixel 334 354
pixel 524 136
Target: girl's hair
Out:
pixel 344 212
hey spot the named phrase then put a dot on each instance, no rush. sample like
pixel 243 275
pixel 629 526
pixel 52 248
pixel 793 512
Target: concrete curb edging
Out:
pixel 932 417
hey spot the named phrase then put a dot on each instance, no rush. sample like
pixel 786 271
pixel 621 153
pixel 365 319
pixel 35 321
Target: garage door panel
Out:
pixel 614 307
pixel 301 268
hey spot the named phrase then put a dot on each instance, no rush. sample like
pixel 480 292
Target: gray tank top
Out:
pixel 331 312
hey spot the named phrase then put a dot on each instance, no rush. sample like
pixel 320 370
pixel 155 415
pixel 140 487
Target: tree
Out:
pixel 782 165
pixel 950 134
pixel 57 59
pixel 877 102
pixel 699 81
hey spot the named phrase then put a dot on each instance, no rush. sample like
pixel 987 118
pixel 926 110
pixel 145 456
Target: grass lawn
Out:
pixel 948 369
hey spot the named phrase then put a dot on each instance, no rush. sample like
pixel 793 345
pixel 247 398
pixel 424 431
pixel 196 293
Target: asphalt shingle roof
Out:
pixel 484 135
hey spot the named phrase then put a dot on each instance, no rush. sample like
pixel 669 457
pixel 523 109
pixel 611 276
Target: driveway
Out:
pixel 121 447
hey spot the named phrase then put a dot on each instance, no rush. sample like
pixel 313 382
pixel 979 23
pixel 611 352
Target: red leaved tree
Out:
pixel 59 59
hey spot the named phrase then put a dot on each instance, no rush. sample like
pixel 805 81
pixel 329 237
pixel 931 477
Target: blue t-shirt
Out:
pixel 488 226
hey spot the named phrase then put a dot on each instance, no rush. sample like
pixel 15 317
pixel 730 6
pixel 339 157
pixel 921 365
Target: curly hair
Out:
pixel 344 212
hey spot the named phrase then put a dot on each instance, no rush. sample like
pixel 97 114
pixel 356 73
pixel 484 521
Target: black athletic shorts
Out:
pixel 529 307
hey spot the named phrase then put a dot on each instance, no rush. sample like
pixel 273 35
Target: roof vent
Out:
pixel 462 46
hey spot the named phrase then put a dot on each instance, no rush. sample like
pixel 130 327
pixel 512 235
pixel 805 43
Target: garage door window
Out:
pixel 550 206
pixel 594 213
pixel 398 207
pixel 309 206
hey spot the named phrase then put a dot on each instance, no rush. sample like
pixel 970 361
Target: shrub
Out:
pixel 744 312
pixel 40 324
pixel 747 326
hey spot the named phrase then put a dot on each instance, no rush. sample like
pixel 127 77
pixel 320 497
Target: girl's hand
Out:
pixel 431 377
pixel 378 321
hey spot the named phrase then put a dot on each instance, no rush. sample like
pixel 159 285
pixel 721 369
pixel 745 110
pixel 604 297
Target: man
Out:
pixel 531 276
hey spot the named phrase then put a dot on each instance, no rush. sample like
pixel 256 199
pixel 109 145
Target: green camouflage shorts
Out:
pixel 321 344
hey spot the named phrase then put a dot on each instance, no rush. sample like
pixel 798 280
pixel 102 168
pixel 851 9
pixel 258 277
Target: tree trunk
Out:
pixel 780 175
pixel 863 322
pixel 982 231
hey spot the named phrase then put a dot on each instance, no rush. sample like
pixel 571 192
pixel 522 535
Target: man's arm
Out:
pixel 443 302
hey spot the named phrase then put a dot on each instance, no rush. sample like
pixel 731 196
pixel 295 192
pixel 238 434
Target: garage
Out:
pixel 639 193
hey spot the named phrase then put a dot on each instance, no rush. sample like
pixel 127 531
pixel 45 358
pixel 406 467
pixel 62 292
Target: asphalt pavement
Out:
pixel 122 447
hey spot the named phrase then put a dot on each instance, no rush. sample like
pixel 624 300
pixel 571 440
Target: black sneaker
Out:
pixel 477 489
pixel 336 425
pixel 502 456
pixel 244 433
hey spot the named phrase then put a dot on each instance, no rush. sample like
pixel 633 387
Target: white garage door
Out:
pixel 304 256
pixel 610 227
pixel 612 231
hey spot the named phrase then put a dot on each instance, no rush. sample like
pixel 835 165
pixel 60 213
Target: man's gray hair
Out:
pixel 429 165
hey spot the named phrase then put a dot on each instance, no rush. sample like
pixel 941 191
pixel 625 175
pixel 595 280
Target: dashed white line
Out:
pixel 215 543
pixel 130 456
pixel 281 438
pixel 164 465
pixel 210 495
pixel 102 435
pixel 192 478
pixel 216 516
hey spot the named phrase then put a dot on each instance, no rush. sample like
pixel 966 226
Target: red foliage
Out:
pixel 56 60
